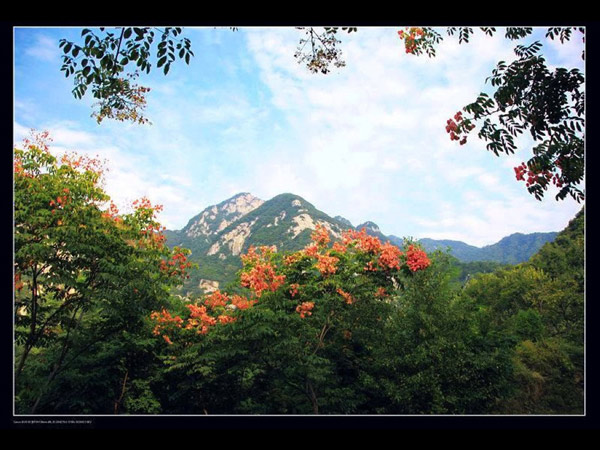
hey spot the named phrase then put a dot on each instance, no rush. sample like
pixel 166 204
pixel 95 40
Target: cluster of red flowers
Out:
pixel 326 264
pixel 164 320
pixel 38 140
pixel 257 254
pixel 311 250
pixel 213 310
pixel 390 256
pixel 85 163
pixel 219 299
pixel 288 260
pixel 145 203
pixel 320 236
pixel 349 299
pixel 536 177
pixel 218 303
pixel 262 275
pixel 18 168
pixel 294 289
pixel 305 308
pixel 458 125
pixel 199 319
pixel 364 241
pixel 61 201
pixel 411 38
pixel 520 171
pixel 176 266
pixel 112 212
pixel 338 247
pixel 152 231
pixel 416 259
pixel 18 282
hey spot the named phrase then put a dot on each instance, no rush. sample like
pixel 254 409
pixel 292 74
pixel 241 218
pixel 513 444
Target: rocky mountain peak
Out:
pixel 344 221
pixel 216 218
pixel 370 227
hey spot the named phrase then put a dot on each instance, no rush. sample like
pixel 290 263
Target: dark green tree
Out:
pixel 539 307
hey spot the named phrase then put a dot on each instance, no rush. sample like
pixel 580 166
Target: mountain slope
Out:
pixel 286 222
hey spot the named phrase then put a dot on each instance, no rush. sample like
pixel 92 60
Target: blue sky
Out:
pixel 366 141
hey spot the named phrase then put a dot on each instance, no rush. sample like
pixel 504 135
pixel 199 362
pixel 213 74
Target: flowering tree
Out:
pixel 353 326
pixel 83 272
pixel 530 96
pixel 104 59
pixel 298 336
pixel 358 265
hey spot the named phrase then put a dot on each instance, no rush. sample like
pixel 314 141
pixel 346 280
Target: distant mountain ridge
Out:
pixel 219 234
pixel 513 249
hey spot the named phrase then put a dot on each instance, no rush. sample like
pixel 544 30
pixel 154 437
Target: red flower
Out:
pixel 320 236
pixel 416 259
pixel 326 264
pixel 390 256
pixel 349 299
pixel 305 308
pixel 294 289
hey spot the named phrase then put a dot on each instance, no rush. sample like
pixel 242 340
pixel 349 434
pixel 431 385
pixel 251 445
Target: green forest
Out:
pixel 352 326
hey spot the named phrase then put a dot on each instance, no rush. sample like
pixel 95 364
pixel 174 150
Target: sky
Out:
pixel 366 141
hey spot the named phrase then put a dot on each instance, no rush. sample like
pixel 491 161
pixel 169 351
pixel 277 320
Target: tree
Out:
pixel 104 60
pixel 539 307
pixel 529 97
pixel 295 336
pixel 353 327
pixel 85 276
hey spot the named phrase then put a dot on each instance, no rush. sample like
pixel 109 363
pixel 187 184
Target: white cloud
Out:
pixel 44 48
pixel 374 130
pixel 568 53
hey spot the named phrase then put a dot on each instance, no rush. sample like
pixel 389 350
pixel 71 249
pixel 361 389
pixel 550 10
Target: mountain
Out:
pixel 345 221
pixel 219 234
pixel 217 217
pixel 513 249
